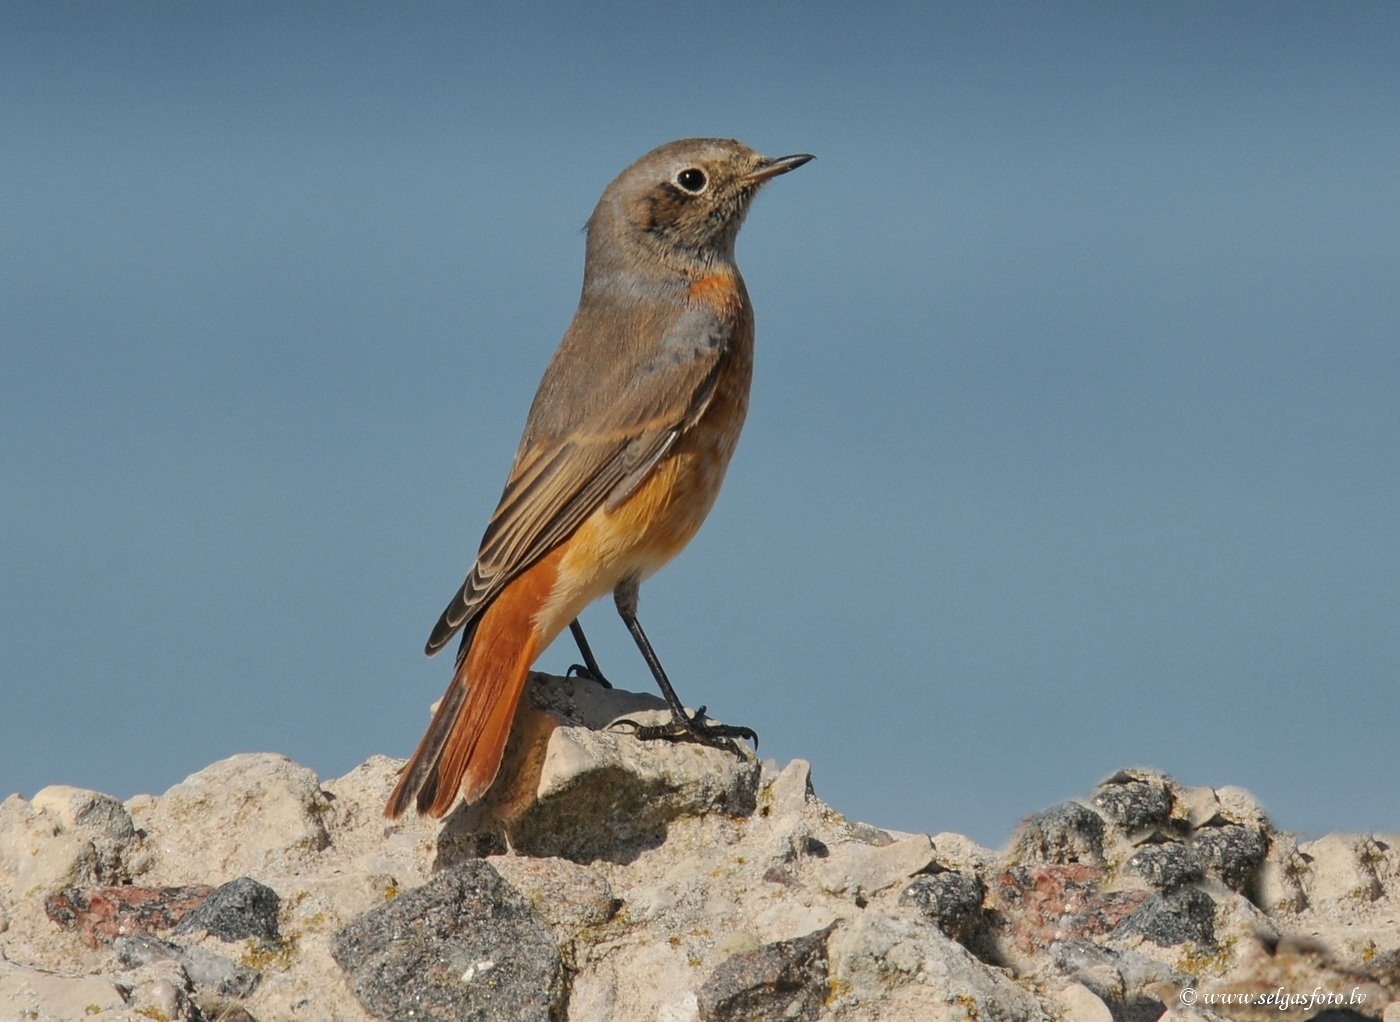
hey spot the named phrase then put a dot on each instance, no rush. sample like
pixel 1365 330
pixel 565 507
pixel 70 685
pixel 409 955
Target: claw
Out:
pixel 692 728
pixel 582 671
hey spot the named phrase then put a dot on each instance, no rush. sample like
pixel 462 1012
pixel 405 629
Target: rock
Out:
pixel 1122 978
pixel 207 971
pixel 1340 868
pixel 1279 882
pixel 1135 800
pixel 1092 965
pixel 782 980
pixel 860 871
pixel 1231 852
pixel 951 900
pixel 581 790
pixel 1082 1004
pixel 1208 807
pixel 689 883
pixel 1169 919
pixel 1039 905
pixel 1067 833
pixel 86 839
pixel 789 791
pixel 232 1013
pixel 101 914
pixel 44 996
pixel 569 897
pixel 238 909
pixel 247 815
pixel 464 945
pixel 1166 866
pixel 162 998
pixel 892 967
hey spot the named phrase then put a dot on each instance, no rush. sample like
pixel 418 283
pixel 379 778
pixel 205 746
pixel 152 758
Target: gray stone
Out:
pixel 212 973
pixel 1118 978
pixel 951 900
pixel 464 946
pixel 1063 834
pixel 1231 851
pixel 1170 919
pixel 782 980
pixel 239 909
pixel 143 949
pixel 208 972
pixel 1166 866
pixel 1135 800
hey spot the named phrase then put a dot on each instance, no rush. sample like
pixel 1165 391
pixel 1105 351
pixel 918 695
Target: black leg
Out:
pixel 683 727
pixel 589 668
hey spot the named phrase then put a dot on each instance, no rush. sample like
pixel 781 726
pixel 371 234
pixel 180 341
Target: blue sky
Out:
pixel 1073 436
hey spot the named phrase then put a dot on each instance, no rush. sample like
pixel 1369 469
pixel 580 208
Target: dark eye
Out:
pixel 692 180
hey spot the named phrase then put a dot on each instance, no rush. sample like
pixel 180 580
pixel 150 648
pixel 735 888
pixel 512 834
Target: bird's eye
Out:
pixel 692 180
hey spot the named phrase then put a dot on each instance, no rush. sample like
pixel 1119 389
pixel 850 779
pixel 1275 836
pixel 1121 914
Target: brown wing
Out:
pixel 555 485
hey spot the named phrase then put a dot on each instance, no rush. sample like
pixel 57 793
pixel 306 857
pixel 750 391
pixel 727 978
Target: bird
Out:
pixel 622 456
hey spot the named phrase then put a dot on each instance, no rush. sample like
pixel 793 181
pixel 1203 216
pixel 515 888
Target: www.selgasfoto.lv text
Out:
pixel 1283 999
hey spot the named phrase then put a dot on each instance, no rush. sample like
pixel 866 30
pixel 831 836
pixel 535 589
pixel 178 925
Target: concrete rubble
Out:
pixel 610 879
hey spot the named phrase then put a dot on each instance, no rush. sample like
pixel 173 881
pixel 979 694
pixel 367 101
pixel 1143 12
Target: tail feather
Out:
pixel 420 776
pixel 462 749
pixel 472 755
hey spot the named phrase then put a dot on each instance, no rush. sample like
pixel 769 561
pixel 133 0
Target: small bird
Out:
pixel 623 454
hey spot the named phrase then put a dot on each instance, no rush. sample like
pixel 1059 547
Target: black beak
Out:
pixel 777 165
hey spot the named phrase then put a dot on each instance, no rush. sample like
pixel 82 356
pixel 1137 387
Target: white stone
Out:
pixel 862 871
pixel 1342 870
pixel 248 815
pixel 1080 1004
pixel 49 997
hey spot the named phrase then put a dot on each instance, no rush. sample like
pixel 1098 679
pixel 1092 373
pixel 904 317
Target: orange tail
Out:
pixel 464 744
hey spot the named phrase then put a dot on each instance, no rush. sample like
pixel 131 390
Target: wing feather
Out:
pixel 553 487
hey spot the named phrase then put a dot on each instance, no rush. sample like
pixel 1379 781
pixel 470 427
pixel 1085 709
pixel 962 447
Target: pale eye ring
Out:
pixel 692 180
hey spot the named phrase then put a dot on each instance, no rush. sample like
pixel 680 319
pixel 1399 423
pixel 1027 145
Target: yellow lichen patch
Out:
pixel 1200 960
pixel 277 957
pixel 968 1005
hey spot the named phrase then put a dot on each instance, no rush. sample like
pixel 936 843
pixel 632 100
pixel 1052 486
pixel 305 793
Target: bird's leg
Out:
pixel 589 668
pixel 683 726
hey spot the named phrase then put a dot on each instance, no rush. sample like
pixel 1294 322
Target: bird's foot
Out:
pixel 693 728
pixel 588 674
